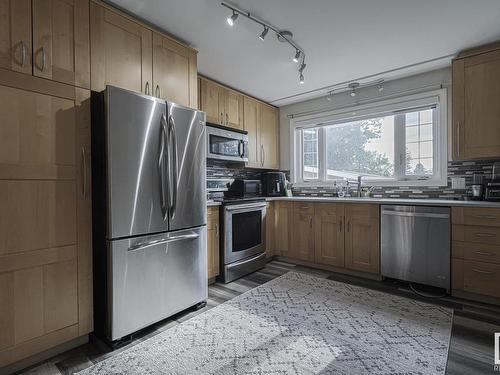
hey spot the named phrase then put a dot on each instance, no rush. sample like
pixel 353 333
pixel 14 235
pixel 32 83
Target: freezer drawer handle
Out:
pixel 416 214
pixel 162 241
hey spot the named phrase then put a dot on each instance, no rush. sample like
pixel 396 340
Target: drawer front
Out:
pixel 476 251
pixel 482 278
pixel 481 234
pixel 329 209
pixel 477 216
pixel 303 208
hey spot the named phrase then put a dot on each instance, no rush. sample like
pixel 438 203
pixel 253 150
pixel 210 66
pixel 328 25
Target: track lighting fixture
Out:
pixel 297 56
pixel 230 20
pixel 284 36
pixel 264 33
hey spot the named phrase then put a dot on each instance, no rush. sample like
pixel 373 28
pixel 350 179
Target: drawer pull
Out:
pixel 483 272
pixel 485 253
pixel 304 207
pixel 489 217
pixel 485 235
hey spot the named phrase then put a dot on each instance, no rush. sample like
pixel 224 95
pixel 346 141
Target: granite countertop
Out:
pixel 213 203
pixel 408 201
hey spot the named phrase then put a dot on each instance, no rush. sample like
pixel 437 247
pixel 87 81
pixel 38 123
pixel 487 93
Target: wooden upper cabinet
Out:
pixel 362 250
pixel 269 137
pixel 329 234
pixel 15 35
pixel 233 109
pixel 120 53
pixel 174 71
pixel 61 41
pixel 251 124
pixel 211 101
pixel 476 113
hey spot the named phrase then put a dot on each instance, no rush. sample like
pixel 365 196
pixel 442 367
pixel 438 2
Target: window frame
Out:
pixel 437 98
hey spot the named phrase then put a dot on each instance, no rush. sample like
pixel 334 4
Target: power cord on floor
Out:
pixel 426 295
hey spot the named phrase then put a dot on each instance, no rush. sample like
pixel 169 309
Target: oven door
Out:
pixel 244 231
pixel 226 145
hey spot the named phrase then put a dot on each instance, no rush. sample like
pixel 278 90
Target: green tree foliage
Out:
pixel 346 149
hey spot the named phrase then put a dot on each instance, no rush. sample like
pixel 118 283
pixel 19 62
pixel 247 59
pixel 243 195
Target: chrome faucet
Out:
pixel 359 186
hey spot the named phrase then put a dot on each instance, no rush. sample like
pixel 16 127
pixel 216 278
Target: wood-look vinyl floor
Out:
pixel 471 346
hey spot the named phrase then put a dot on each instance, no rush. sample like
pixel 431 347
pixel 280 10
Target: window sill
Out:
pixel 367 183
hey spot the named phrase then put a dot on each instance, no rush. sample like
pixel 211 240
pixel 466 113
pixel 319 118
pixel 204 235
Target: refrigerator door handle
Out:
pixel 175 171
pixel 162 241
pixel 161 166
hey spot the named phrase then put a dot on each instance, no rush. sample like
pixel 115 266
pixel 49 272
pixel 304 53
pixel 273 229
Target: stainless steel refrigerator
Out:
pixel 149 210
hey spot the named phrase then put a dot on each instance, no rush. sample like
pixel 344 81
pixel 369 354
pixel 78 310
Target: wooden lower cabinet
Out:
pixel 342 235
pixel 329 234
pixel 270 229
pixel 475 250
pixel 302 233
pixel 45 220
pixel 213 238
pixel 362 250
pixel 283 214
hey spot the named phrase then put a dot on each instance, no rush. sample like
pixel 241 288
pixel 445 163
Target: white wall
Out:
pixel 402 86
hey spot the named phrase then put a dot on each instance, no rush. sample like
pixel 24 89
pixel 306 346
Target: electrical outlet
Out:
pixel 458 183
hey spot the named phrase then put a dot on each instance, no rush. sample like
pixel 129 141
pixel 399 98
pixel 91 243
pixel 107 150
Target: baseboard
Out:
pixel 43 356
pixel 326 267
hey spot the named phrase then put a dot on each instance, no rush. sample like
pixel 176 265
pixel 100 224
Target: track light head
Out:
pixel 297 56
pixel 232 19
pixel 264 33
pixel 353 86
pixel 380 87
pixel 301 79
pixel 329 97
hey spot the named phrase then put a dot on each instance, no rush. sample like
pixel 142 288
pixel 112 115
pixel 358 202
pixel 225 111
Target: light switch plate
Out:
pixel 458 183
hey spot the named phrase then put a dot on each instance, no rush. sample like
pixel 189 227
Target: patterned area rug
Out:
pixel 298 324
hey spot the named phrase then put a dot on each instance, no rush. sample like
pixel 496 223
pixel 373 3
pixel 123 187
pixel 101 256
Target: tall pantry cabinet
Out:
pixel 45 220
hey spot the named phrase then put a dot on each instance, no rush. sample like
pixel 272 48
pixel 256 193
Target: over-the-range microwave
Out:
pixel 225 143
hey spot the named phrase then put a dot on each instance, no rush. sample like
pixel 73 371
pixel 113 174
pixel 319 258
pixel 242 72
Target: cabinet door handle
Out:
pixel 157 91
pixel 348 225
pixel 489 217
pixel 42 67
pixel 84 173
pixel 485 253
pixel 311 222
pixel 261 155
pixel 222 118
pixel 458 138
pixel 485 235
pixel 146 88
pixel 340 226
pixel 217 230
pixel 23 53
pixel 227 119
pixel 483 272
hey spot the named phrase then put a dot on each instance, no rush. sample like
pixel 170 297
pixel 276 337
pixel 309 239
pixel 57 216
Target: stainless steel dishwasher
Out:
pixel 415 244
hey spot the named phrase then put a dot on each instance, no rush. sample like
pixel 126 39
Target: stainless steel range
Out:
pixel 244 237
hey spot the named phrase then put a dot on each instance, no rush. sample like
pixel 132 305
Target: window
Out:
pixel 389 144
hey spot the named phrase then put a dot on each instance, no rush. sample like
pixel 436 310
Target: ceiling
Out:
pixel 343 40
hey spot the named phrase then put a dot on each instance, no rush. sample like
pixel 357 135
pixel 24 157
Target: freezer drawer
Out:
pixel 154 277
pixel 415 244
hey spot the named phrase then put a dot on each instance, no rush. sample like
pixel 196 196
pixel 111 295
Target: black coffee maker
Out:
pixel 274 184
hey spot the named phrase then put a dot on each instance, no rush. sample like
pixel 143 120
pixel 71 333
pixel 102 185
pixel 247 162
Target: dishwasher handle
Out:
pixel 416 214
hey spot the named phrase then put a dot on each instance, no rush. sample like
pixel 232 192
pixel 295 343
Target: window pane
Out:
pixel 419 143
pixel 363 147
pixel 310 154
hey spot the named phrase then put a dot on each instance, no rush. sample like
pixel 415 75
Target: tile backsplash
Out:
pixel 464 169
pixel 218 175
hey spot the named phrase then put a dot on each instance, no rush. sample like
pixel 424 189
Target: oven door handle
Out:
pixel 245 206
